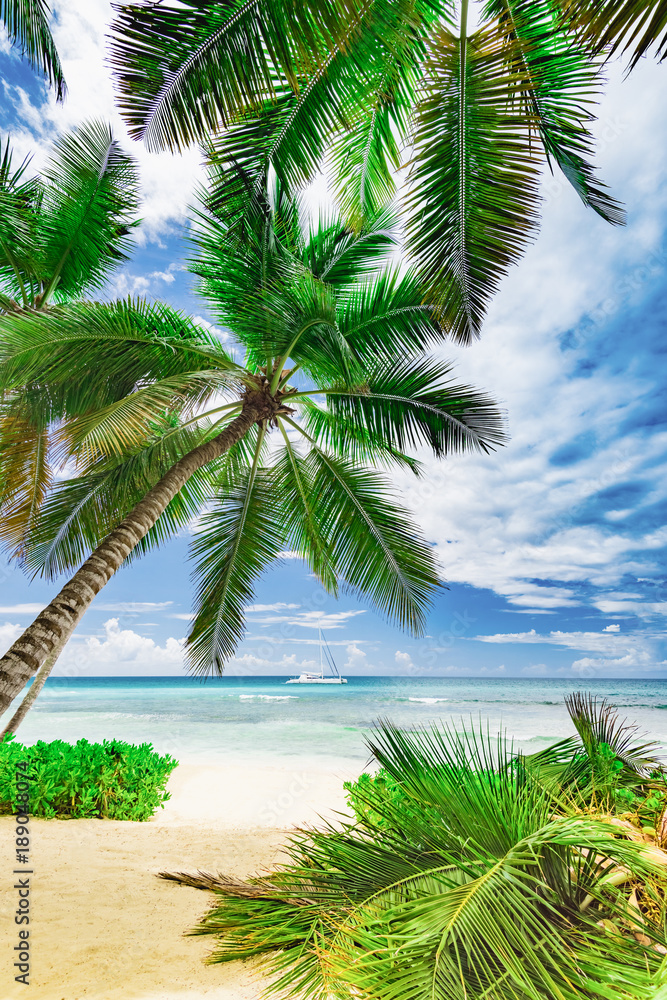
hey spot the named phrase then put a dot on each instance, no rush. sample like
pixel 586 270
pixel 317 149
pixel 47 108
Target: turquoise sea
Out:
pixel 261 719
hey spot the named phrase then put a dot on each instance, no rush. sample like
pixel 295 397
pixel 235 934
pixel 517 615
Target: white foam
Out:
pixel 267 697
pixel 428 701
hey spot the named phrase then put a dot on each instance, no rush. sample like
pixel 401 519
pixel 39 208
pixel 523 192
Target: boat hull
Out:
pixel 317 680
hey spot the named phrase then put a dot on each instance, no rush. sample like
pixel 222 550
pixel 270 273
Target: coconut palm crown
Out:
pixel 475 113
pixel 162 424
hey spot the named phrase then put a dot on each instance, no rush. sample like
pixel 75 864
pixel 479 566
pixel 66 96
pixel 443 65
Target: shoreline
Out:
pixel 103 927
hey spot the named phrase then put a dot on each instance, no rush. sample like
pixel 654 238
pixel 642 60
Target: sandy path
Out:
pixel 104 928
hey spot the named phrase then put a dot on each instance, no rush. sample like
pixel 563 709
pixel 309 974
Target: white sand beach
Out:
pixel 103 927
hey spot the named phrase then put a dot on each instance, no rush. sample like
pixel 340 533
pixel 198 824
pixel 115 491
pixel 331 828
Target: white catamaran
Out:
pixel 310 677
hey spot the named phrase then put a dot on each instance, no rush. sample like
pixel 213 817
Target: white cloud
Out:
pixel 120 651
pixel 8 634
pixel 249 664
pixel 278 606
pixel 124 284
pixel 357 659
pixel 278 640
pixel 612 628
pixel 616 652
pixel 311 619
pixel 404 660
pixel 643 609
pixel 591 641
pixel 166 276
pixel 132 607
pixel 620 665
pixel 215 330
pixel 21 609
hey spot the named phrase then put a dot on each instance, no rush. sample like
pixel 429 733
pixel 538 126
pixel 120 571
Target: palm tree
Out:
pixel 27 26
pixel 61 235
pixel 459 876
pixel 366 86
pixel 269 453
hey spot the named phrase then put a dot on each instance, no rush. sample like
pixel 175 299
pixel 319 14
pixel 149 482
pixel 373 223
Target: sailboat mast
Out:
pixel 319 629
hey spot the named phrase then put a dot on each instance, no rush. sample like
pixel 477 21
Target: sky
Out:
pixel 553 548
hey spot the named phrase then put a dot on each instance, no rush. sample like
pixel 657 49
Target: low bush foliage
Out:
pixel 109 780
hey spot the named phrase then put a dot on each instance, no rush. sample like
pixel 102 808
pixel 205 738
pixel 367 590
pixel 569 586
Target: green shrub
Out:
pixel 110 780
pixel 368 796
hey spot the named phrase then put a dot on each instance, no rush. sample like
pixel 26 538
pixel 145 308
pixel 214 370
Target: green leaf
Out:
pixel 183 71
pixel 562 83
pixel 351 438
pixel 460 882
pixel 27 26
pixel 385 70
pixel 80 512
pixel 619 25
pixel 374 546
pixel 238 536
pixel 388 317
pixel 89 206
pixel 126 342
pixel 412 403
pixel 20 199
pixel 473 183
pixel 292 486
pixel 26 475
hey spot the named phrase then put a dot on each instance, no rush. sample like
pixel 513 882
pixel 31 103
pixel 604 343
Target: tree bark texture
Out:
pixel 32 692
pixel 56 623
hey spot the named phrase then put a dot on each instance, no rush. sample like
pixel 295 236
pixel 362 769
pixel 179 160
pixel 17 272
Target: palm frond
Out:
pixel 89 207
pixel 413 402
pixel 297 322
pixel 114 429
pixel 366 153
pixel 26 476
pixel 78 513
pixel 27 26
pixel 387 317
pixel 292 486
pixel 126 342
pixel 634 26
pixel 20 198
pixel 343 257
pixel 183 71
pixel 351 438
pixel 376 549
pixel 598 722
pixel 473 183
pixel 239 536
pixel 562 83
pixel 472 887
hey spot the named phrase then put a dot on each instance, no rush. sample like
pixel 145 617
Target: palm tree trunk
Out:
pixel 56 623
pixel 32 692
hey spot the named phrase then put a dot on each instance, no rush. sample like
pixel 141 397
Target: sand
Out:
pixel 103 927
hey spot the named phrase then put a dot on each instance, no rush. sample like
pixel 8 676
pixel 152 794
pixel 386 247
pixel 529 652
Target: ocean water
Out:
pixel 262 720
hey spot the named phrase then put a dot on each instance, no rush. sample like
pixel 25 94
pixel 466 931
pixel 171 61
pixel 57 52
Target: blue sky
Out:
pixel 554 548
